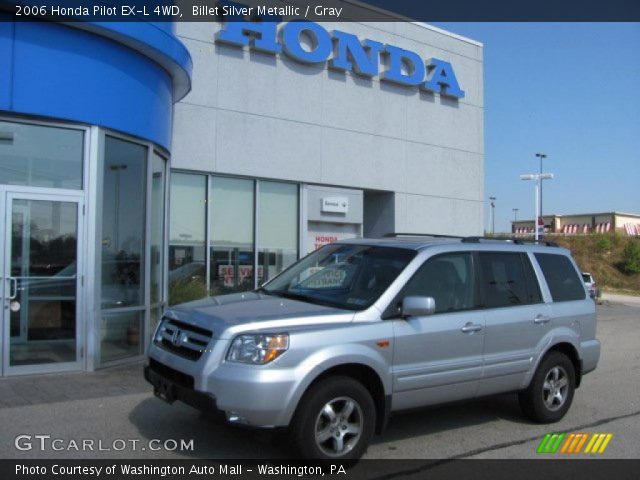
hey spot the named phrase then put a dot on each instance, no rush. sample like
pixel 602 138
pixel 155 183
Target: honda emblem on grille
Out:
pixel 177 338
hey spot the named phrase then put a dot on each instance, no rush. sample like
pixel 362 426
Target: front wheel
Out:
pixel 334 421
pixel 549 396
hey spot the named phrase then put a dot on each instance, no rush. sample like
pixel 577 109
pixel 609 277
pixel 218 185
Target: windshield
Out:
pixel 345 276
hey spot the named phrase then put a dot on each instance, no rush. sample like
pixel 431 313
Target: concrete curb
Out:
pixel 629 300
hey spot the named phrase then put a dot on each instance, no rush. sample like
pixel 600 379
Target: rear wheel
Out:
pixel 334 421
pixel 549 396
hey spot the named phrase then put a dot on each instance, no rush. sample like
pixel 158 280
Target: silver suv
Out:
pixel 361 329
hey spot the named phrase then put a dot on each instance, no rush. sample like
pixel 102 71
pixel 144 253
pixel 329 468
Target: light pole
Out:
pixel 541 156
pixel 493 216
pixel 515 214
pixel 537 177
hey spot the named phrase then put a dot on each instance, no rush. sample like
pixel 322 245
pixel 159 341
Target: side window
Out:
pixel 504 281
pixel 562 277
pixel 448 278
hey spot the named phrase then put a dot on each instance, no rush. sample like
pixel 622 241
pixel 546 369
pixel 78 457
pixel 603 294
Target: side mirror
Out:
pixel 418 306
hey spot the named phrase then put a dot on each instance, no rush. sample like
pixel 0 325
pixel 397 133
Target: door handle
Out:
pixel 471 327
pixel 541 319
pixel 13 286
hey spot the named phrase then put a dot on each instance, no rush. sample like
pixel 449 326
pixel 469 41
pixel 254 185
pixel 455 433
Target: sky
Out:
pixel 571 91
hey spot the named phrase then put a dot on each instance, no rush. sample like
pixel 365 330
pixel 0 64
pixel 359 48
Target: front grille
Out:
pixel 188 341
pixel 169 373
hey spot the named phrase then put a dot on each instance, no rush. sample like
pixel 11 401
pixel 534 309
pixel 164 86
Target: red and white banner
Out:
pixel 632 229
pixel 574 228
pixel 603 227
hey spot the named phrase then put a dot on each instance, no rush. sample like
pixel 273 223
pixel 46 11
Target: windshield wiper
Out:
pixel 309 299
pixel 292 295
pixel 267 292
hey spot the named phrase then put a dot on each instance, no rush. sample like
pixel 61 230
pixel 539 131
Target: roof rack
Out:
pixel 433 235
pixel 473 239
pixel 546 243
pixel 514 240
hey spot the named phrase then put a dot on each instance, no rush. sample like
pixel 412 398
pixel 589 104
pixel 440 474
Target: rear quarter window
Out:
pixel 561 276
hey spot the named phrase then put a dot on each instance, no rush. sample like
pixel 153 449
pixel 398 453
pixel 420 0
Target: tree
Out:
pixel 631 257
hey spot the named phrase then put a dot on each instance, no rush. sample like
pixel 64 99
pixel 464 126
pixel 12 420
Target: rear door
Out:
pixel 516 319
pixel 438 358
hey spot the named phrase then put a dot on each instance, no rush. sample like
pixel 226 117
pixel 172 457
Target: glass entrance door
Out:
pixel 40 294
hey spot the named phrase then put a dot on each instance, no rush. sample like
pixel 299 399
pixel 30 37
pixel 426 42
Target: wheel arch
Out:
pixel 570 351
pixel 369 379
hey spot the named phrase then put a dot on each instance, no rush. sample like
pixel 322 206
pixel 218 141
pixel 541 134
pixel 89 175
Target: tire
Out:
pixel 351 407
pixel 550 393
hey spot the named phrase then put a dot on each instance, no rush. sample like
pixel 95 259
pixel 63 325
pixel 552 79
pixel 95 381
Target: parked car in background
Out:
pixel 590 283
pixel 361 329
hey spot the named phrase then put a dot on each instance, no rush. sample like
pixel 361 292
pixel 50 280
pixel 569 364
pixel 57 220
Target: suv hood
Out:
pixel 228 315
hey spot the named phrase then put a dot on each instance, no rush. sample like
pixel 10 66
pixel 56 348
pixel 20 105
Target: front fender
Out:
pixel 334 356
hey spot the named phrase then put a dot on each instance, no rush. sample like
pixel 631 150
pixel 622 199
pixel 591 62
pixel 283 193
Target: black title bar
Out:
pixel 321 10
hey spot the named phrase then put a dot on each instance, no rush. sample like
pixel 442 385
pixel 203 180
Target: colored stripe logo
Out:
pixel 573 443
pixel 550 443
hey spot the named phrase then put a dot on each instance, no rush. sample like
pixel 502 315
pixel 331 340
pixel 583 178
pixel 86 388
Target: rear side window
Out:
pixel 563 280
pixel 507 280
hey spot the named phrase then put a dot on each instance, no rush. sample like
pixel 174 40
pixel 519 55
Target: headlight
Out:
pixel 157 335
pixel 257 349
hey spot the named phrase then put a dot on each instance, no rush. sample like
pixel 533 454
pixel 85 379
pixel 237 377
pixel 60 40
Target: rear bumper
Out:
pixel 590 354
pixel 171 385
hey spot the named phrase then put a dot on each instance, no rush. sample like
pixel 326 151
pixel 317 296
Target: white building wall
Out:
pixel 261 115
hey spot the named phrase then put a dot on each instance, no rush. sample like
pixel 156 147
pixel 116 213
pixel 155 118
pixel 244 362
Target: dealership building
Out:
pixel 147 164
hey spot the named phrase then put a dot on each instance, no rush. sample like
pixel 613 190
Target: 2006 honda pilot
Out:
pixel 360 329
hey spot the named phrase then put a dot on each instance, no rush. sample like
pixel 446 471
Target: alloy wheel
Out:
pixel 555 388
pixel 338 426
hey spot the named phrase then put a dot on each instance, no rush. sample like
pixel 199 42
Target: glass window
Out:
pixel 120 335
pixel 277 228
pixel 187 268
pixel 123 223
pixel 231 227
pixel 562 277
pixel 345 276
pixel 40 156
pixel 503 279
pixel 43 262
pixel 449 279
pixel 157 226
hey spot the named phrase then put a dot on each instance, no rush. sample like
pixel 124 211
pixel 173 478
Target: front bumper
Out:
pixel 171 385
pixel 256 396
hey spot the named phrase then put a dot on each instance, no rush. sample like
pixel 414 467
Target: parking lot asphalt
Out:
pixel 118 404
